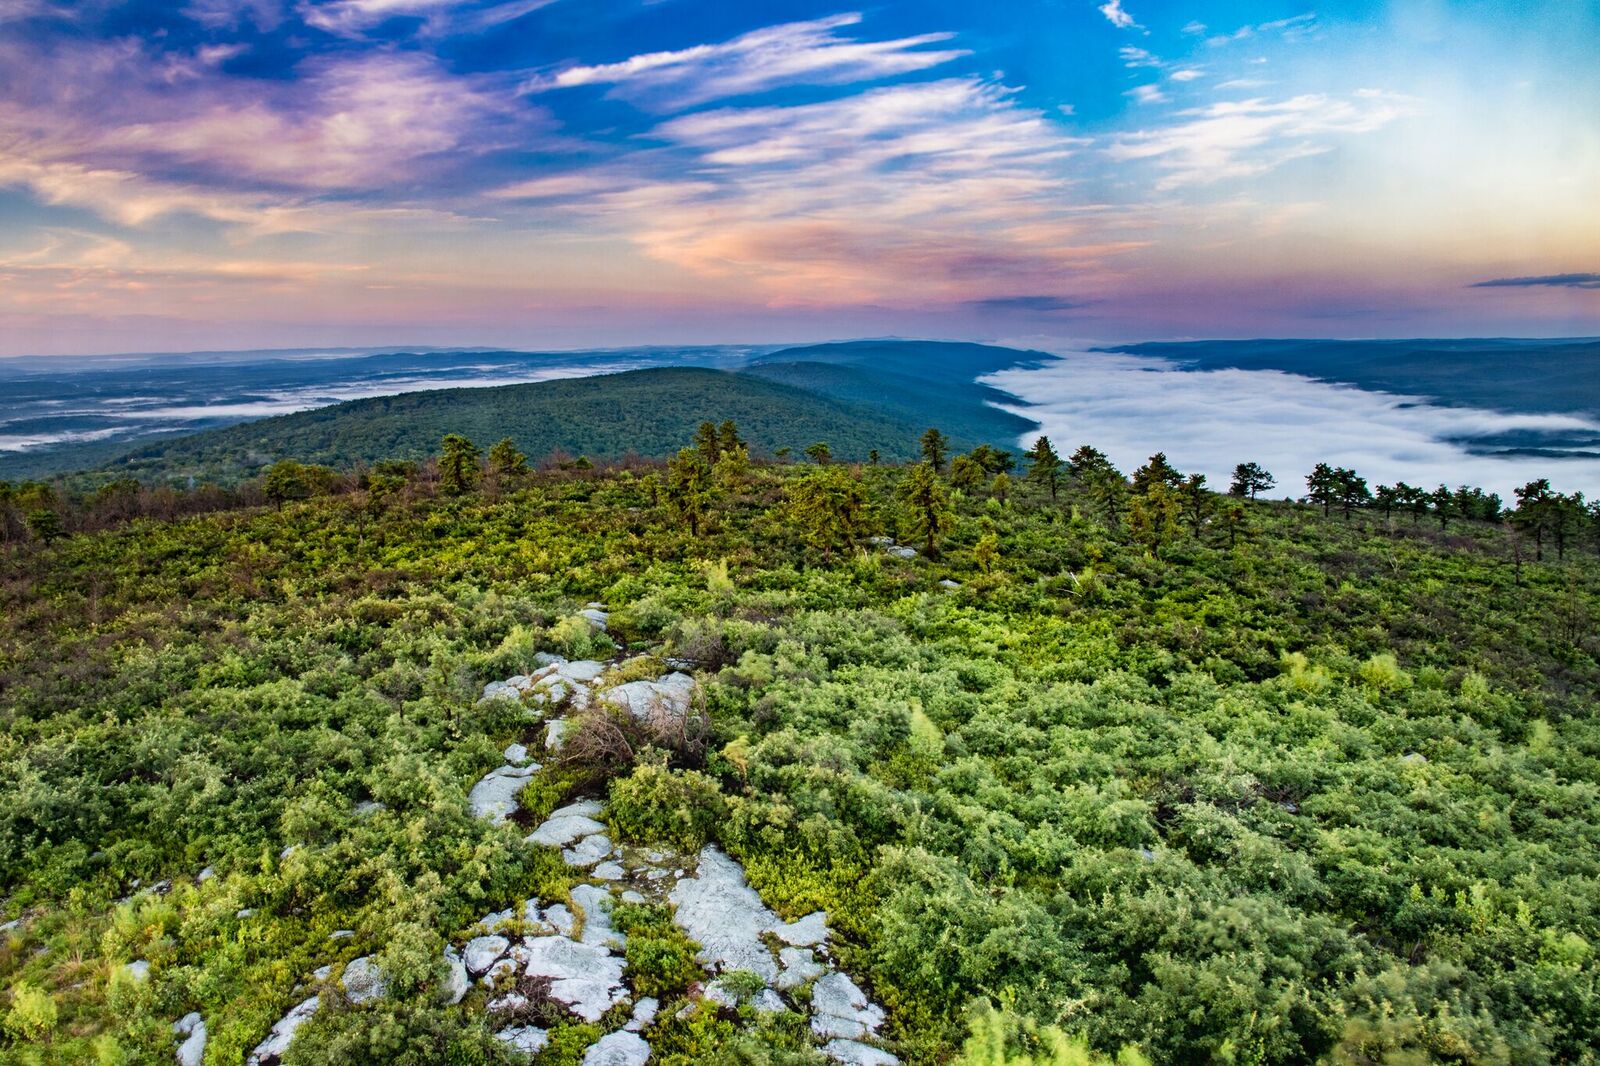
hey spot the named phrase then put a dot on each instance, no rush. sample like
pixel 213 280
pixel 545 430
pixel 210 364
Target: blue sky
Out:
pixel 247 173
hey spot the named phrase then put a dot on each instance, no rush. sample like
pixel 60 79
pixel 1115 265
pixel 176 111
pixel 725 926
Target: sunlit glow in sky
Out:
pixel 567 173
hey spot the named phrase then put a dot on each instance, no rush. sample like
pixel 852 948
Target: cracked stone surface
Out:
pixel 595 903
pixel 840 1009
pixel 586 977
pixel 726 916
pixel 527 1039
pixel 588 851
pixel 481 953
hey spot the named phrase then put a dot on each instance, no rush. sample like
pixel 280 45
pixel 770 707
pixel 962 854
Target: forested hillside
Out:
pixel 642 412
pixel 1056 750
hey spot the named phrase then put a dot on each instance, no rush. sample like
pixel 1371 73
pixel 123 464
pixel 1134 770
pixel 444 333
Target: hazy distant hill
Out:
pixel 923 382
pixel 857 397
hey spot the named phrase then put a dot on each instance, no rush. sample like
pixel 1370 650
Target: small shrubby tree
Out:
pixel 925 508
pixel 830 509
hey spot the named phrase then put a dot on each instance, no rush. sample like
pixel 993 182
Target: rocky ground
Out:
pixel 568 953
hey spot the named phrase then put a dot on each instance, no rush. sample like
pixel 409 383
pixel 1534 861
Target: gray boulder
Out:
pixel 665 702
pixel 362 980
pixel 482 952
pixel 192 1050
pixel 840 1009
pixel 855 1053
pixel 270 1050
pixel 618 1049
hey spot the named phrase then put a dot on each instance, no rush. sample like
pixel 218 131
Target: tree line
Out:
pixel 829 506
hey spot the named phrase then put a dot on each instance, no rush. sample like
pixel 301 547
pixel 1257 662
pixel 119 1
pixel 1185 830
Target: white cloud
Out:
pixel 1133 58
pixel 1235 139
pixel 1147 94
pixel 1112 10
pixel 1206 421
pixel 1187 74
pixel 796 53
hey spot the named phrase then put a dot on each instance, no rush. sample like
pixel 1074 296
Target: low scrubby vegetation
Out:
pixel 1153 771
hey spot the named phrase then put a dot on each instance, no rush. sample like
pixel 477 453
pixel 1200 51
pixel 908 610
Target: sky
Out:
pixel 214 174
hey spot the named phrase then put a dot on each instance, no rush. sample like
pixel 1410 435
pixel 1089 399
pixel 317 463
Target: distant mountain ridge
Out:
pixel 858 397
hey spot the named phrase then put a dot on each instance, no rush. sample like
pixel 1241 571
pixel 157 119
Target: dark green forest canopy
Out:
pixel 1329 794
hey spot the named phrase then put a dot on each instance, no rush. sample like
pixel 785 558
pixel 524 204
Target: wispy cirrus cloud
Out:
pixel 1237 139
pixel 795 53
pixel 934 190
pixel 1560 281
pixel 354 18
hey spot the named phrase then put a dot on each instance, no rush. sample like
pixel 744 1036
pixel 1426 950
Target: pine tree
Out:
pixel 1044 465
pixel 819 453
pixel 1249 479
pixel 934 445
pixel 926 514
pixel 458 464
pixel 689 487
pixel 505 461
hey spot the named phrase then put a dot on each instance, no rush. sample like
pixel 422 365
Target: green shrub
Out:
pixel 682 808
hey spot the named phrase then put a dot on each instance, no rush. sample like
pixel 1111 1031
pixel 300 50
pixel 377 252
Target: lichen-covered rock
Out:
pixel 495 796
pixel 618 1049
pixel 595 903
pixel 516 754
pixel 482 952
pixel 527 1039
pixel 570 823
pixel 456 982
pixel 270 1050
pixel 588 851
pixel 595 617
pixel 644 1013
pixel 840 1009
pixel 192 1049
pixel 362 980
pixel 585 977
pixel 664 702
pixel 855 1053
pixel 806 932
pixel 560 918
pixel 726 916
pixel 799 967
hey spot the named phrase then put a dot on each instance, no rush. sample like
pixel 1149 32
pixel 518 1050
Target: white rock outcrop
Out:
pixel 192 1049
pixel 618 1049
pixel 270 1050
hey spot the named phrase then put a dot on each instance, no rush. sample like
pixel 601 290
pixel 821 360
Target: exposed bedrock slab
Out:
pixel 586 977
pixel 840 1009
pixel 726 916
